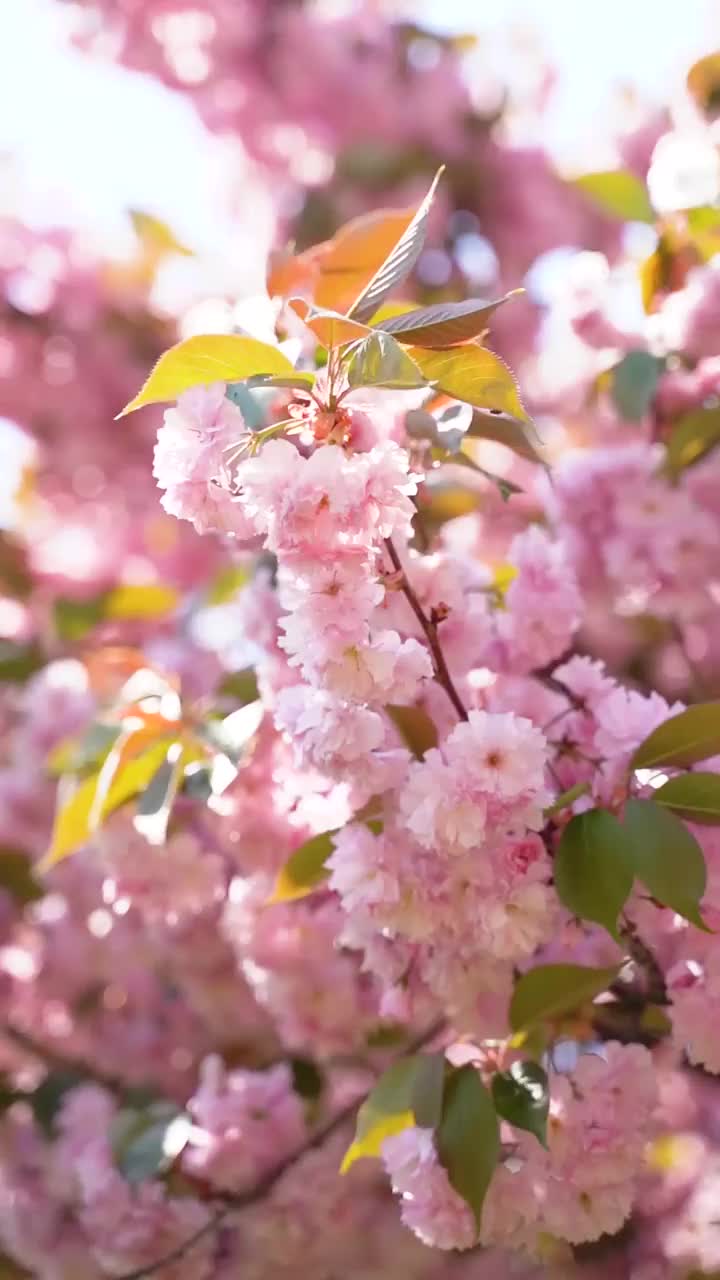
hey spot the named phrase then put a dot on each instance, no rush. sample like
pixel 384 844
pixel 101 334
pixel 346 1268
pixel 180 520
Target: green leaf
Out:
pixel 387 1110
pixel 227 584
pixel 379 361
pixel 73 824
pixel 399 262
pixel 521 437
pixel 427 1089
pixel 667 858
pixel 566 798
pixel 145 1142
pixel 204 359
pixel 48 1098
pixel 552 990
pixel 634 381
pixel 305 869
pixel 16 876
pixel 687 738
pixel 241 686
pixel 695 796
pixel 446 324
pixel 521 1097
pixel 463 458
pixel 156 235
pixel 74 618
pixel 308 1078
pixel 77 755
pixel 300 381
pixel 619 193
pixel 692 437
pixel 19 661
pixel 593 870
pixel 415 727
pixel 468 1137
pixel 473 374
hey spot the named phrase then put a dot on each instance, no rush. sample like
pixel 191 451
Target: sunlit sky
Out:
pixel 90 140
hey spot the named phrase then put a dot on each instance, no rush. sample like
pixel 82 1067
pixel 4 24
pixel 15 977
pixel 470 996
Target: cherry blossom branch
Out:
pixel 261 1189
pixel 429 627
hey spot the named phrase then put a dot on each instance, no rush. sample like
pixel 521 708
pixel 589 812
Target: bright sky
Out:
pixel 93 139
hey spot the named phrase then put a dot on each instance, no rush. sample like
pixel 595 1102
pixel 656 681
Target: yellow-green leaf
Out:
pixel 415 727
pixel 692 437
pixel 75 820
pixel 156 236
pixel 207 358
pixel 473 374
pixel 619 193
pixel 551 990
pixel 387 1110
pixel 399 262
pixel 304 870
pixel 147 600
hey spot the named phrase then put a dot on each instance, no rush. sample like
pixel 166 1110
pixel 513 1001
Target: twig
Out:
pixel 58 1062
pixel 244 1199
pixel 429 627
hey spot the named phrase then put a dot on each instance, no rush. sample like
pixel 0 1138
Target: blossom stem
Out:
pixel 442 675
pixel 266 1184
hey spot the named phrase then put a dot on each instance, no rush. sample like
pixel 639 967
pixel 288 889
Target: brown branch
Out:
pixel 244 1199
pixel 58 1062
pixel 429 627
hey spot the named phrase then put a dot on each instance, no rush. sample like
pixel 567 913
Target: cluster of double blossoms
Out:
pixel 447 891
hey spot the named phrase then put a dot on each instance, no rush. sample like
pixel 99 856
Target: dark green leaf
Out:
pixel 308 1079
pixel 553 990
pixel 415 727
pixel 687 738
pixel 427 1092
pixel 399 262
pixel 19 661
pixel 49 1095
pixel 305 869
pixel 695 796
pixel 522 1098
pixel 444 325
pixel 692 437
pixel 386 1110
pixel 617 192
pixel 521 437
pixel 634 381
pixel 468 1137
pixel 593 870
pixel 379 361
pixel 16 876
pixel 667 858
